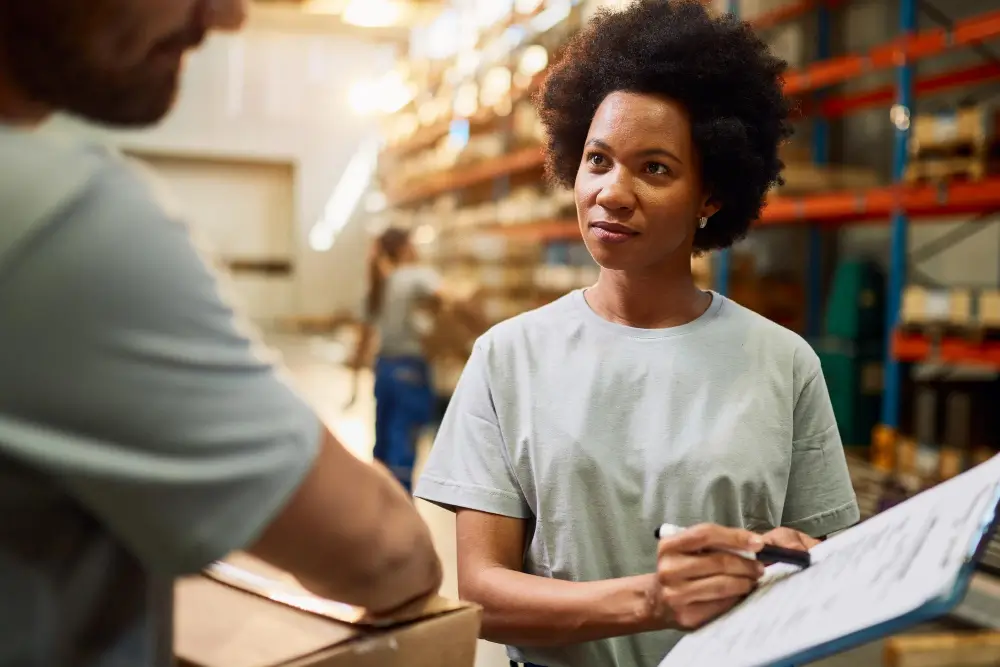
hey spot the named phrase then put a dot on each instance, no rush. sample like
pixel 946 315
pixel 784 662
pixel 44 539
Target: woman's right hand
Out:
pixel 696 581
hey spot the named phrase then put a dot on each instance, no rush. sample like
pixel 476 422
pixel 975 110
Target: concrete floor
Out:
pixel 317 370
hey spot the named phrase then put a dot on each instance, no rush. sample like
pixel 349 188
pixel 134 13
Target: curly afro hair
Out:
pixel 716 67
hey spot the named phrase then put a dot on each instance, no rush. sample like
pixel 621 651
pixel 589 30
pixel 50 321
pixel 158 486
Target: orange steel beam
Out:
pixel 915 47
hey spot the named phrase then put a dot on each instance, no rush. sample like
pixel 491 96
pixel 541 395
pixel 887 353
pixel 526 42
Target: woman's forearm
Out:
pixel 528 610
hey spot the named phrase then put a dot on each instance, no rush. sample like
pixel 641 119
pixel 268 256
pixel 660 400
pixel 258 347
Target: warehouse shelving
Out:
pixel 909 48
pixel 949 350
pixel 525 159
pixel 896 203
pixel 871 206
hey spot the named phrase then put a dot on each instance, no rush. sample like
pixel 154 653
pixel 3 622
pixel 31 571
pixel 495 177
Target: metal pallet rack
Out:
pixel 897 204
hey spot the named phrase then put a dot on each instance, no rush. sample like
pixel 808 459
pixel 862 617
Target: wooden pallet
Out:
pixel 937 169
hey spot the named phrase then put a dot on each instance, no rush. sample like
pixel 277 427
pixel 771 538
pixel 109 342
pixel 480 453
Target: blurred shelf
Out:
pixel 842 105
pixel 924 44
pixel 875 204
pixel 916 348
pixel 464 176
pixel 918 201
pixel 543 230
pixel 790 12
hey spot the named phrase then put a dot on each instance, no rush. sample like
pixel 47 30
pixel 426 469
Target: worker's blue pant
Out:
pixel 404 400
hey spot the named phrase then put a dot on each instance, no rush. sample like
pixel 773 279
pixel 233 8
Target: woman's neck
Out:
pixel 651 300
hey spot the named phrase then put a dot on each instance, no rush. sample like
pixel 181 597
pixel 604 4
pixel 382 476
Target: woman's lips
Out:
pixel 612 232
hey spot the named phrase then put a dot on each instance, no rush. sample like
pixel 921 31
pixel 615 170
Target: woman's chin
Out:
pixel 611 257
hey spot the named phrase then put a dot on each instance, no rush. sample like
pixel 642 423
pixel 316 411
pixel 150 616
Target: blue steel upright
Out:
pixel 722 258
pixel 821 156
pixel 898 246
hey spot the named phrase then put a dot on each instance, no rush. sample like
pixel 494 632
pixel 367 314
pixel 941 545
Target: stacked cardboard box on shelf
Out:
pixel 953 143
pixel 803 176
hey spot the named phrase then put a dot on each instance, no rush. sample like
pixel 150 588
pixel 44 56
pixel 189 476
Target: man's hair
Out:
pixel 716 67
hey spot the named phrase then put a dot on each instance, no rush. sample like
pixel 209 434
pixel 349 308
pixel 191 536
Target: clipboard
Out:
pixel 965 510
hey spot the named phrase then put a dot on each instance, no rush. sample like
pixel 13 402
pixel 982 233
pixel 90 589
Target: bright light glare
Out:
pixel 534 59
pixel 424 235
pixel 467 99
pixel 555 13
pixel 526 6
pixel 373 13
pixel 386 95
pixel 345 198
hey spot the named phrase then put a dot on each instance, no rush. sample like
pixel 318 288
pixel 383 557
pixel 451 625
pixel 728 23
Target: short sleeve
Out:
pixel 820 499
pixel 469 465
pixel 130 383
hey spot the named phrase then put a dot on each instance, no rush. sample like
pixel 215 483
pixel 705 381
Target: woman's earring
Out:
pixel 702 222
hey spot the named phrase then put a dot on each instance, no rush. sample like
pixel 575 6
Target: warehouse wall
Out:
pixel 270 96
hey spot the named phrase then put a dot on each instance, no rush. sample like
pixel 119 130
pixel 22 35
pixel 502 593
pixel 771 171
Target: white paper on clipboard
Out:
pixel 883 569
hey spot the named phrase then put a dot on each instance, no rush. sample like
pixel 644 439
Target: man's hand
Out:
pixel 789 539
pixel 697 580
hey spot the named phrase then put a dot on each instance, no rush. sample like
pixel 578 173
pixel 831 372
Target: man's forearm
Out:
pixel 528 610
pixel 352 533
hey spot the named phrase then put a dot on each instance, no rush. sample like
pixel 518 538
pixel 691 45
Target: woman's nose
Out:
pixel 617 194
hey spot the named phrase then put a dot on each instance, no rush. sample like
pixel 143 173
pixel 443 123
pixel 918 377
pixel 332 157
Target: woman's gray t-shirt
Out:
pixel 597 432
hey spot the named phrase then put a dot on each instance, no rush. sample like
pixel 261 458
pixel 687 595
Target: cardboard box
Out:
pixel 243 613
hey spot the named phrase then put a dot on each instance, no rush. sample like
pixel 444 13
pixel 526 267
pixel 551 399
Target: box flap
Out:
pixel 252 575
pixel 219 626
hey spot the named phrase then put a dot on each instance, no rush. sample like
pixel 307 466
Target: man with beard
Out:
pixel 141 435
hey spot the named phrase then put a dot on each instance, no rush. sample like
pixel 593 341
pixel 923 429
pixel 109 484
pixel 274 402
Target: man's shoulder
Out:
pixel 55 176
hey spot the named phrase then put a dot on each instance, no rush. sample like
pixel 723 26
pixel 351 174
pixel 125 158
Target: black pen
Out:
pixel 768 554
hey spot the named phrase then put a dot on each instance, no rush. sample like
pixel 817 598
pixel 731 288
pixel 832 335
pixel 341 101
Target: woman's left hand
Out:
pixel 789 539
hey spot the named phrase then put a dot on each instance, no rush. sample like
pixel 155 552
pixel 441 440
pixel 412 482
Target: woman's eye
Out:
pixel 597 160
pixel 657 169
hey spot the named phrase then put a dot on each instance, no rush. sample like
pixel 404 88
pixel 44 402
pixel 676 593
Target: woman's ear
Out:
pixel 709 208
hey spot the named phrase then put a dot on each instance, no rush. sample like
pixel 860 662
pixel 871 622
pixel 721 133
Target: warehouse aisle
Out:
pixel 317 370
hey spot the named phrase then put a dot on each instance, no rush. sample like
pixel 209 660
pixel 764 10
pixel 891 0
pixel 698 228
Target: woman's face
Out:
pixel 638 191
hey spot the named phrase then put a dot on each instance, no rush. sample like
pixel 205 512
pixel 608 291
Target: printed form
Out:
pixel 880 570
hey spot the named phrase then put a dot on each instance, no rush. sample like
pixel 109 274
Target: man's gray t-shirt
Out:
pixel 596 433
pixel 398 322
pixel 141 435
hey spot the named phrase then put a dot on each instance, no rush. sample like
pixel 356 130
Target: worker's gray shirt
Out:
pixel 399 321
pixel 141 435
pixel 596 433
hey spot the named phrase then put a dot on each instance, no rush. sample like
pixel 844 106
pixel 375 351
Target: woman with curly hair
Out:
pixel 579 427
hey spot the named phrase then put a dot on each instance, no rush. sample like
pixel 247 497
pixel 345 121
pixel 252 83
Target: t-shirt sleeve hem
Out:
pixel 244 533
pixel 451 495
pixel 830 521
